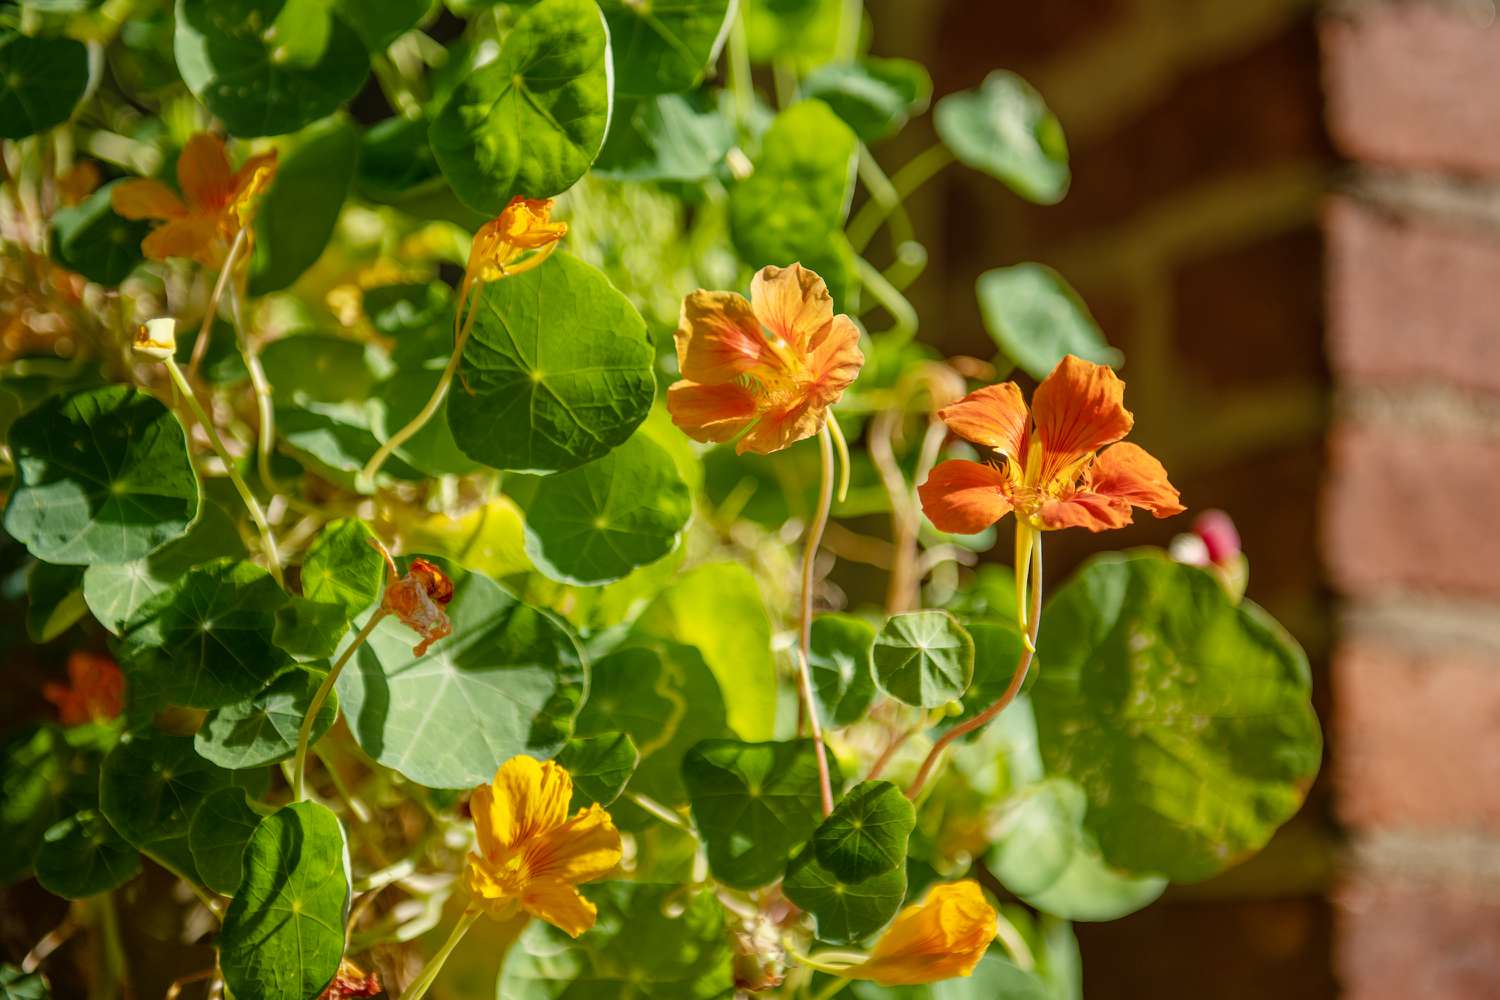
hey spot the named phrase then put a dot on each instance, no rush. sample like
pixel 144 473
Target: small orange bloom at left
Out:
pixel 531 855
pixel 95 691
pixel 216 203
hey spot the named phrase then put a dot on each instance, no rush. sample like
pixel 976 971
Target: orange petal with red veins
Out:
pixel 964 498
pixel 1078 409
pixel 994 416
pixel 711 412
pixel 1085 510
pixel 203 172
pixel 793 303
pixel 196 237
pixel 1128 472
pixel 783 426
pixel 719 338
pixel 145 199
pixel 835 363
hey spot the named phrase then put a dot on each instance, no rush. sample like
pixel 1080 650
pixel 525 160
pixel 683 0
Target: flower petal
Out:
pixel 1078 409
pixel 143 198
pixel 203 172
pixel 994 416
pixel 1085 510
pixel 942 937
pixel 718 338
pixel 793 303
pixel 249 182
pixel 834 361
pixel 559 904
pixel 782 426
pixel 195 237
pixel 964 498
pixel 711 412
pixel 1130 473
pixel 584 848
pixel 527 798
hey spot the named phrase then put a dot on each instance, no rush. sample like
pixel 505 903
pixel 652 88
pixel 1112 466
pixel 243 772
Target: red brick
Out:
pixel 1413 85
pixel 1410 300
pixel 1405 941
pixel 974 38
pixel 1418 739
pixel 1408 509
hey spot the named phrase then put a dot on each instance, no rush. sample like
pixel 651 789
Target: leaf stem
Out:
pixel 1028 653
pixel 891 300
pixel 200 347
pixel 267 540
pixel 832 989
pixel 883 192
pixel 265 431
pixel 304 735
pixel 741 83
pixel 423 982
pixel 841 446
pixel 916 172
pixel 661 812
pixel 815 530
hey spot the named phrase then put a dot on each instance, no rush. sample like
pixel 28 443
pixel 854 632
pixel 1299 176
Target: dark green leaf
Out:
pixel 296 217
pixel 18 985
pixel 221 827
pixel 661 48
pixel 1184 716
pixel 308 631
pixel 601 766
pixel 54 600
pixel 343 567
pixel 754 805
pixel 263 81
pixel 924 658
pixel 866 834
pixel 432 449
pixel 91 239
pixel 839 658
pixel 1006 130
pixel 845 911
pixel 997 653
pixel 83 855
pixel 263 729
pixel 41 79
pixel 556 373
pixel 396 161
pixel 507 681
pixel 283 935
pixel 323 367
pixel 666 138
pixel 530 122
pixel 1036 319
pixel 873 96
pixel 36 774
pixel 337 439
pixel 102 476
pixel 381 22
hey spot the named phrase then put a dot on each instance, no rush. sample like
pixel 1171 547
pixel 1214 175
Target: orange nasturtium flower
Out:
pixel 523 225
pixel 95 691
pixel 531 855
pixel 767 369
pixel 943 936
pixel 217 202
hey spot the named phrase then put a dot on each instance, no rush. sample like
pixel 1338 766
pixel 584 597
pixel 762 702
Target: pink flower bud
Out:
pixel 1219 536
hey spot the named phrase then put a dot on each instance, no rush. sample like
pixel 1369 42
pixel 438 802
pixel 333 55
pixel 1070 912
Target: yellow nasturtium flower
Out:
pixel 531 855
pixel 943 936
pixel 522 226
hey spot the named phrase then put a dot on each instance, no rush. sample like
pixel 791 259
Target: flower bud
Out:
pixel 157 338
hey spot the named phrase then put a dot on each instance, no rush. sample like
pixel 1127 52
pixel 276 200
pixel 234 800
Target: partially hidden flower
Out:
pixel 417 599
pixel 1047 466
pixel 531 855
pixel 156 338
pixel 217 201
pixel 95 691
pixel 78 182
pixel 942 937
pixel 504 245
pixel 764 371
pixel 351 981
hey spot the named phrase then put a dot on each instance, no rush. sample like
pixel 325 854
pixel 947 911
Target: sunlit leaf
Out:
pixel 343 567
pixel 296 217
pixel 221 827
pixel 1006 130
pixel 866 833
pixel 666 138
pixel 1036 319
pixel 663 47
pixel 845 911
pixel 263 729
pixel 600 765
pixel 924 658
pixel 82 855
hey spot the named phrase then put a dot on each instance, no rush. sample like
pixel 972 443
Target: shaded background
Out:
pixel 1286 215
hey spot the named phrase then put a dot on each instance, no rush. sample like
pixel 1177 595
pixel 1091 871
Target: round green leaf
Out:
pixel 754 804
pixel 1089 889
pixel 1038 835
pixel 997 653
pixel 924 658
pixel 557 371
pixel 873 96
pixel 221 827
pixel 83 855
pixel 845 911
pixel 1006 130
pixel 804 33
pixel 866 833
pixel 91 239
pixel 1184 716
pixel 667 138
pixel 530 122
pixel 296 217
pixel 343 568
pixel 263 729
pixel 507 681
pixel 664 46
pixel 1036 319
pixel 596 523
pixel 839 658
pixel 283 936
pixel 102 476
pixel 264 74
pixel 18 985
pixel 41 79
pixel 601 766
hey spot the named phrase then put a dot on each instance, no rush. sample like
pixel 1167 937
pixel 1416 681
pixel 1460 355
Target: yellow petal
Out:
pixel 527 798
pixel 943 936
pixel 560 905
pixel 584 848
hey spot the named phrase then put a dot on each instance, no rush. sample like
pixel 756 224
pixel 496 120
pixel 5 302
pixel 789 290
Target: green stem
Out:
pixel 840 445
pixel 267 540
pixel 423 982
pixel 205 332
pixel 892 301
pixel 661 812
pixel 304 735
pixel 815 530
pixel 741 83
pixel 832 989
pixel 116 970
pixel 883 191
pixel 265 431
pixel 917 171
pixel 204 896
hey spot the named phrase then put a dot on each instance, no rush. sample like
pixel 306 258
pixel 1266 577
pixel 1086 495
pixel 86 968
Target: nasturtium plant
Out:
pixel 439 438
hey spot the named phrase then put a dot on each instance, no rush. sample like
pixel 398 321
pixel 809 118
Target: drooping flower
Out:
pixel 942 937
pixel 531 854
pixel 216 202
pixel 417 599
pixel 522 226
pixel 95 691
pixel 156 338
pixel 767 369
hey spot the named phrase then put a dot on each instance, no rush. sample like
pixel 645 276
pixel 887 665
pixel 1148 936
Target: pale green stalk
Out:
pixel 304 735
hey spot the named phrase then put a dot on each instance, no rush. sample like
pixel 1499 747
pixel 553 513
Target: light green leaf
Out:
pixel 296 217
pixel 1036 319
pixel 381 22
pixel 664 47
pixel 997 653
pixel 91 239
pixel 845 911
pixel 530 122
pixel 83 855
pixel 221 827
pixel 839 659
pixel 557 371
pixel 718 609
pixel 924 658
pixel 596 523
pixel 41 79
pixel 873 96
pixel 507 681
pixel 754 805
pixel 1089 889
pixel 101 476
pixel 18 985
pixel 283 935
pixel 54 600
pixel 802 32
pixel 866 834
pixel 1038 835
pixel 601 766
pixel 666 138
pixel 1005 129
pixel 263 729
pixel 246 73
pixel 1184 716
pixel 343 567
